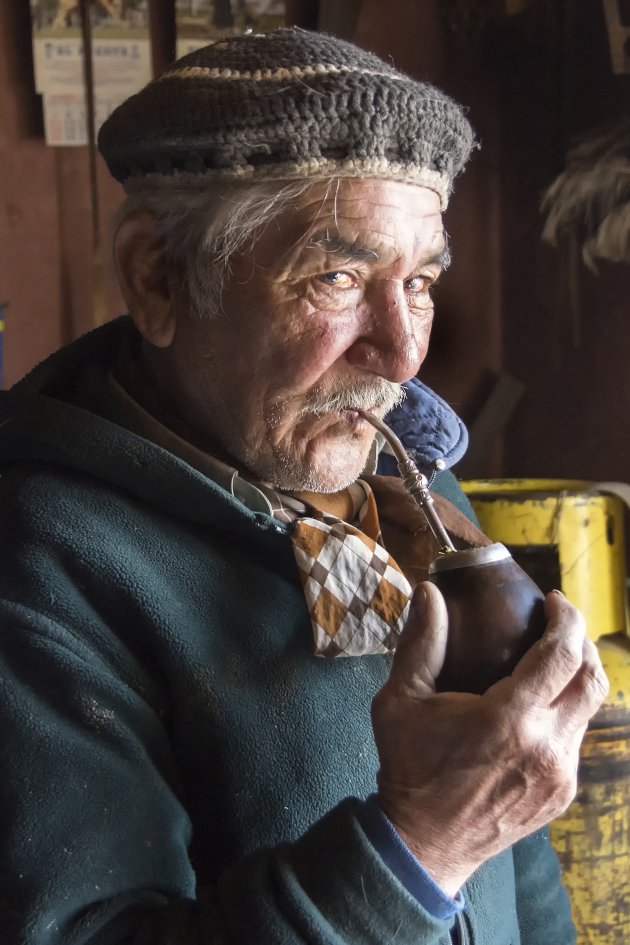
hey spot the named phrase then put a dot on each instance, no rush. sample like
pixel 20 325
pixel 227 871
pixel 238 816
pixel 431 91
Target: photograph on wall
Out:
pixel 200 22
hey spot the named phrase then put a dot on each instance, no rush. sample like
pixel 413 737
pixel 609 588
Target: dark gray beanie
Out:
pixel 287 105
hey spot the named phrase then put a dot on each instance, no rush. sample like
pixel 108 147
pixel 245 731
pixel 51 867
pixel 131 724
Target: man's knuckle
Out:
pixel 551 772
pixel 531 730
pixel 545 755
pixel 565 792
pixel 596 682
pixel 567 654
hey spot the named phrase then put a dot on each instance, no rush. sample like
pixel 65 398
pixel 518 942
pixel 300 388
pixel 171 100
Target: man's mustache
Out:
pixel 355 395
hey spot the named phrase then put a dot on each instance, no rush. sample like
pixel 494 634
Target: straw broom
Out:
pixel 589 203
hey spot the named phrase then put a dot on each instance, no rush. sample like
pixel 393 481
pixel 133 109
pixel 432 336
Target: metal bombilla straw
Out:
pixel 495 611
pixel 415 483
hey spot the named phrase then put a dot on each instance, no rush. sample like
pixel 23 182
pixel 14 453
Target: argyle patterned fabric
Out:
pixel 357 596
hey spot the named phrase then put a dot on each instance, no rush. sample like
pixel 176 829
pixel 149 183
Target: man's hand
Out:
pixel 463 777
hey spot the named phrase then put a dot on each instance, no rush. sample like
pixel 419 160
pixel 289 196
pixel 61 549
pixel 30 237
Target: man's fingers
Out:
pixel 585 693
pixel 420 650
pixel 552 663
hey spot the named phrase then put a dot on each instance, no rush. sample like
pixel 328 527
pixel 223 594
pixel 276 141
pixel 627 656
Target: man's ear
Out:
pixel 149 285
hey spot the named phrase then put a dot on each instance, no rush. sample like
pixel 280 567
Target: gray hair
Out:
pixel 205 224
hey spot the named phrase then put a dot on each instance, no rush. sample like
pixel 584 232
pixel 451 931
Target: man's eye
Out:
pixel 419 284
pixel 341 280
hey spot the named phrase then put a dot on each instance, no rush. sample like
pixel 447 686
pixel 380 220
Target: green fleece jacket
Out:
pixel 177 768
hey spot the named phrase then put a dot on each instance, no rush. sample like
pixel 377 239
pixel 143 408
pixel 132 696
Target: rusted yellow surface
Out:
pixel 593 837
pixel 586 528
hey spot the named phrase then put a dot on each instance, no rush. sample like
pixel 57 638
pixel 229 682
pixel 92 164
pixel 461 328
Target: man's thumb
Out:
pixel 421 648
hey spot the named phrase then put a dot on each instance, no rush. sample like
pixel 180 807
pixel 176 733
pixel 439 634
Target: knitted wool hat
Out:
pixel 288 104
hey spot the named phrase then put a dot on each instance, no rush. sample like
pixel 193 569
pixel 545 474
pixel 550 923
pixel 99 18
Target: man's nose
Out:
pixel 393 340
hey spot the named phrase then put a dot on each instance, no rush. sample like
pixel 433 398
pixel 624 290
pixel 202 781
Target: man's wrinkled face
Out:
pixel 329 311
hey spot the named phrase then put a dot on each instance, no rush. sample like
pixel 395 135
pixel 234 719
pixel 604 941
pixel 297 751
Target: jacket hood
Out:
pixel 42 420
pixel 429 429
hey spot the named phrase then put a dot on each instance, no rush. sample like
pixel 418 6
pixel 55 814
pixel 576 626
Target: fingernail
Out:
pixel 420 599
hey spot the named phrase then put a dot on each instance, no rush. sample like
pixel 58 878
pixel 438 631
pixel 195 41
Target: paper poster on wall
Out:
pixel 121 59
pixel 200 22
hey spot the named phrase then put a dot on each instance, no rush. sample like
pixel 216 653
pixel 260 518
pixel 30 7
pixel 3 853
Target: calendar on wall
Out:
pixel 121 57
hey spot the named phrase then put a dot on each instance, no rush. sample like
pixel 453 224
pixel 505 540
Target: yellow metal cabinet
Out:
pixel 581 531
pixel 583 528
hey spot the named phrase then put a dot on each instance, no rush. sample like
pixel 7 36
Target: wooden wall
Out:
pixel 566 330
pixel 46 222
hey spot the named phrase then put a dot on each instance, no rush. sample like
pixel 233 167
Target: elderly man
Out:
pixel 198 611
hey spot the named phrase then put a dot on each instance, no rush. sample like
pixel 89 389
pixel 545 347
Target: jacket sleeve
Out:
pixel 95 832
pixel 544 910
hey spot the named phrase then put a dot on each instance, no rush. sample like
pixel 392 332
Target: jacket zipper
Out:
pixel 460 936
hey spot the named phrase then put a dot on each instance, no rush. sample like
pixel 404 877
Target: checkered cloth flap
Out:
pixel 357 596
